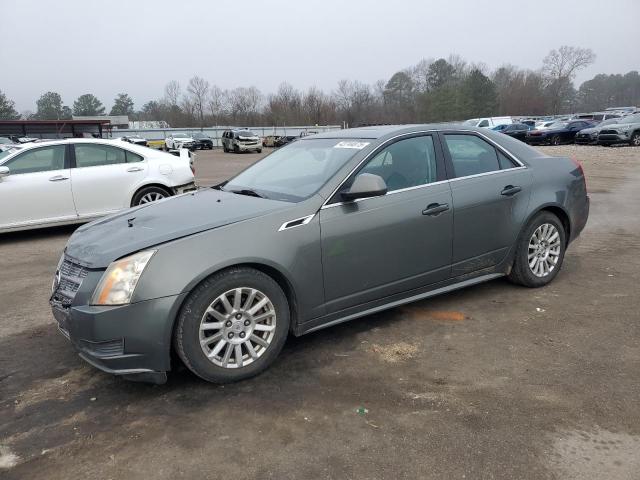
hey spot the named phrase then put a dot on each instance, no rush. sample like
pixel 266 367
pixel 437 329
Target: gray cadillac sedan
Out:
pixel 330 228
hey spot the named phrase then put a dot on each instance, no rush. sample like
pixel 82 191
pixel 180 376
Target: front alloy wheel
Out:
pixel 238 327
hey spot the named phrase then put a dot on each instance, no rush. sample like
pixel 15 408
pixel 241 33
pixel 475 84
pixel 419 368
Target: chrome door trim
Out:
pixel 521 166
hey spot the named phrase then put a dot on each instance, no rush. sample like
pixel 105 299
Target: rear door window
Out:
pixel 471 155
pixel 94 155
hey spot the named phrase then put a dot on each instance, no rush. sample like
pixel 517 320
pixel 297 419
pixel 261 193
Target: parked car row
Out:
pixel 583 129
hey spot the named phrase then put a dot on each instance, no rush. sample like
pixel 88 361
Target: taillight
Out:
pixel 579 167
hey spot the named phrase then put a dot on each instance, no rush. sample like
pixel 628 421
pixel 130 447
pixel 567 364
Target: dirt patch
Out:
pixel 8 459
pixel 596 453
pixel 395 352
pixel 60 388
pixel 439 315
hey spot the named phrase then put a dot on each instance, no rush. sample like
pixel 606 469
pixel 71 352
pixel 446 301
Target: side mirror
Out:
pixel 366 185
pixel 4 172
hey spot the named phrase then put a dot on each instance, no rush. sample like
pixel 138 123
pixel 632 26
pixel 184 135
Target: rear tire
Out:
pixel 634 141
pixel 219 353
pixel 149 195
pixel 259 150
pixel 539 252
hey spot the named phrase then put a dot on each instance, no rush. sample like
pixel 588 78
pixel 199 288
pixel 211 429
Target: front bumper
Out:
pixel 130 340
pixel 541 140
pixel 586 140
pixel 610 138
pixel 245 147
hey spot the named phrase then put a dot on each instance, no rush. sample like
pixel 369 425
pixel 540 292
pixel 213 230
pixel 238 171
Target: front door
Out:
pixel 380 246
pixel 37 189
pixel 490 199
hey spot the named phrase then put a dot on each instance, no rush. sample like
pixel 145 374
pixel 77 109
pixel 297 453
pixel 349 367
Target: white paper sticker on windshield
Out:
pixel 356 145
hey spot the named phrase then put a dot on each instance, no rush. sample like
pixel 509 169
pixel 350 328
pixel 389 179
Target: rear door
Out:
pixel 38 188
pixel 490 191
pixel 380 246
pixel 104 178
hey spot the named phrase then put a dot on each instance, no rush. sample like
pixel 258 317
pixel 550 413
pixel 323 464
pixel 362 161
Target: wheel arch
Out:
pixel 559 211
pixel 273 272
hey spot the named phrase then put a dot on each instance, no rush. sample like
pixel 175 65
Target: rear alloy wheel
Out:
pixel 149 195
pixel 540 251
pixel 232 326
pixel 555 140
pixel 635 140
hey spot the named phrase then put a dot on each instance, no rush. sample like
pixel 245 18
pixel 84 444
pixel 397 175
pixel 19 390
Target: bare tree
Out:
pixel 560 67
pixel 172 93
pixel 198 90
pixel 216 103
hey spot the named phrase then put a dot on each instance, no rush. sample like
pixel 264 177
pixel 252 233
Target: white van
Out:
pixel 488 122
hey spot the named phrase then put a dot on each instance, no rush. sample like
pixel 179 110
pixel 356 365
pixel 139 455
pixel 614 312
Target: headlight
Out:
pixel 56 275
pixel 118 283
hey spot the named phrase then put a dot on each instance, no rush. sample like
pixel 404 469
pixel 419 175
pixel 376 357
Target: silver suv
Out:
pixel 241 141
pixel 627 130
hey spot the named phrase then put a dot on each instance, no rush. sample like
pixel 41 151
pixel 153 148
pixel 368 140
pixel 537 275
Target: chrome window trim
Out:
pixel 393 192
pixel 521 166
pixel 305 221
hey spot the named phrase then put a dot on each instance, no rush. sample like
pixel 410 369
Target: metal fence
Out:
pixel 216 132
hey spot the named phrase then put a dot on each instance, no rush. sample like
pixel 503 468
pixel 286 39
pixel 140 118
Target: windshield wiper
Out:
pixel 248 192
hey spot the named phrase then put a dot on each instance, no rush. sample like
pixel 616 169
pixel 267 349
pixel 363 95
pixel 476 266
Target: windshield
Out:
pixel 181 135
pixel 610 121
pixel 246 133
pixel 297 171
pixel 559 125
pixel 199 135
pixel 630 119
pixel 7 152
pixel 471 122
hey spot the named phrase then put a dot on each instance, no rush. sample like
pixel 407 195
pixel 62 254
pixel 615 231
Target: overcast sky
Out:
pixel 105 47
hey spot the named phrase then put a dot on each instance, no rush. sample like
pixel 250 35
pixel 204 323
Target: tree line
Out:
pixel 433 90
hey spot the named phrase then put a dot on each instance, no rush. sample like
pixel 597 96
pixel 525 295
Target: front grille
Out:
pixel 608 132
pixel 71 277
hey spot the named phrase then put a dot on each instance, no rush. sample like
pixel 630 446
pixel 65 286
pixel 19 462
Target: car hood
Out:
pixel 99 243
pixel 182 140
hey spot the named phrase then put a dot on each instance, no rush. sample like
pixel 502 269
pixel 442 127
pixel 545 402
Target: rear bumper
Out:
pixel 580 219
pixel 187 187
pixel 129 340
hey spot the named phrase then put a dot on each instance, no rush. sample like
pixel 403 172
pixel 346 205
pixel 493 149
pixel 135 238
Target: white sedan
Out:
pixel 77 180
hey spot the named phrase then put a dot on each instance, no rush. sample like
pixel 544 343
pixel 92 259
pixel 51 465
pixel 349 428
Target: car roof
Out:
pixel 104 141
pixel 380 131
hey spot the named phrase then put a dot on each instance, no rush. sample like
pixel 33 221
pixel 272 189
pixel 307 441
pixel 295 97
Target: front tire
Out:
pixel 555 140
pixel 634 141
pixel 539 252
pixel 232 326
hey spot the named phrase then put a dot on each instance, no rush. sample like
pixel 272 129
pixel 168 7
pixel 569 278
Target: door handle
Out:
pixel 58 178
pixel 134 169
pixel 435 209
pixel 510 190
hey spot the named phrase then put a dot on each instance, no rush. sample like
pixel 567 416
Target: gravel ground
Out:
pixel 491 382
